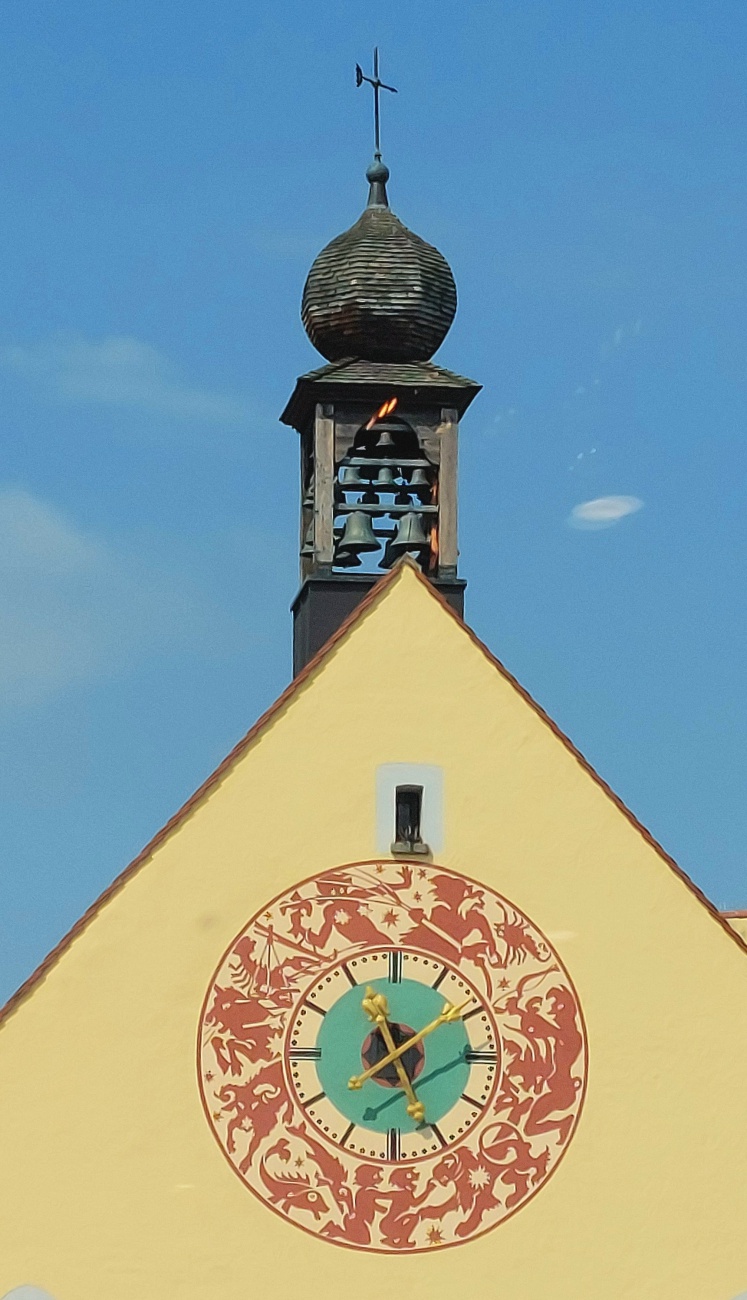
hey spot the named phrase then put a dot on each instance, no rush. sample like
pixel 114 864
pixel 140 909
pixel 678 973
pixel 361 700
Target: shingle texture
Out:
pixel 378 292
pixel 353 370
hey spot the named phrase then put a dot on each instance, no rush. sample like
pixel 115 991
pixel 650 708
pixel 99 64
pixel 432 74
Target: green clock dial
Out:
pixel 447 1076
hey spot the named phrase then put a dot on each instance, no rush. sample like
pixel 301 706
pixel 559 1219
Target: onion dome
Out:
pixel 378 292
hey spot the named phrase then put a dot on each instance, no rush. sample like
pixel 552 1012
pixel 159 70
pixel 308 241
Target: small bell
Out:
pixel 349 477
pixel 385 442
pixel 384 478
pixel 420 479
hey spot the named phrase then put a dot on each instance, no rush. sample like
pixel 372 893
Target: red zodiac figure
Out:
pixel 545 1066
pixel 242 1028
pixel 331 1172
pixel 344 911
pixel 518 939
pixel 403 1215
pixel 457 927
pixel 366 1203
pixel 288 1192
pixel 256 1107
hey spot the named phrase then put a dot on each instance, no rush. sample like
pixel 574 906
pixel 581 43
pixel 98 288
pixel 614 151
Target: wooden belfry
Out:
pixel 379 424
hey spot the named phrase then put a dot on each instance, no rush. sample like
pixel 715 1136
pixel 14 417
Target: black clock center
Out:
pixel 375 1049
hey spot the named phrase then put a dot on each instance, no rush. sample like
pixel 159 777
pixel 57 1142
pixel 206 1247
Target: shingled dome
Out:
pixel 378 292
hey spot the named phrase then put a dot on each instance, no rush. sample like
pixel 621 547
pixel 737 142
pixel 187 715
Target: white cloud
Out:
pixel 74 607
pixel 117 371
pixel 603 512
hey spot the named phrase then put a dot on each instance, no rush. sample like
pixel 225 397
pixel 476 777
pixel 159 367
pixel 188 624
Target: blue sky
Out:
pixel 168 173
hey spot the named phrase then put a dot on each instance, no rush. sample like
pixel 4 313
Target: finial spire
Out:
pixel 378 173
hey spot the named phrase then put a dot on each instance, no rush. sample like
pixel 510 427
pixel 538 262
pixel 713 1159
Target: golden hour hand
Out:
pixel 376 1008
pixel 449 1014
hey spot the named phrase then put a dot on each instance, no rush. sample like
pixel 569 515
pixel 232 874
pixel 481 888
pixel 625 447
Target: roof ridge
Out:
pixel 276 707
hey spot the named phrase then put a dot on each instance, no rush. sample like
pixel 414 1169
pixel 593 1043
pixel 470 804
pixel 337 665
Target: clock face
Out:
pixel 392 1057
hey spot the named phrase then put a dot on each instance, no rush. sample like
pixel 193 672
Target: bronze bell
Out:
pixel 358 535
pixel 421 484
pixel 385 478
pixel 349 477
pixel 410 536
pixel 385 441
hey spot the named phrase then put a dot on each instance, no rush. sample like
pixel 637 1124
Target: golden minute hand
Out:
pixel 377 1009
pixel 449 1014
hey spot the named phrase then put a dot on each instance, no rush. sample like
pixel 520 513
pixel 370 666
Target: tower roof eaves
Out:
pixel 379 378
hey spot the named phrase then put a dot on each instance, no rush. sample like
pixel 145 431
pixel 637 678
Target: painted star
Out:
pixel 421 876
pixel 417 898
pixel 268 916
pixel 504 984
pixel 435 1236
pixel 379 870
pixel 479 1177
pixel 299 1161
pixel 209 1076
pixel 217 1114
pixel 390 918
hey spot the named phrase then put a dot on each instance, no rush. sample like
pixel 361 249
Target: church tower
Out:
pixel 379 424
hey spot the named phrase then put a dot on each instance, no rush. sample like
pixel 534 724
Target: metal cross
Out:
pixel 378 85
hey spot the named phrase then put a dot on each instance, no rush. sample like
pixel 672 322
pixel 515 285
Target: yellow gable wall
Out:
pixel 112 1185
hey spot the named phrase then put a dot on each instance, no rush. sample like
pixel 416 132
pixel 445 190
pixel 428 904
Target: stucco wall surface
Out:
pixel 112 1185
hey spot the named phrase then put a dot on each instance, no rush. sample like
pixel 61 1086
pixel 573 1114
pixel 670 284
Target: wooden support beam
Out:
pixel 324 482
pixel 448 546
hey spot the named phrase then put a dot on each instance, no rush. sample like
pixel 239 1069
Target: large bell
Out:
pixel 410 536
pixel 358 535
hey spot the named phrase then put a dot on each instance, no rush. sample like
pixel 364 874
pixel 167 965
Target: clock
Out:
pixel 392 1056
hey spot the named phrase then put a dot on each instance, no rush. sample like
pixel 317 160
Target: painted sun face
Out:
pixel 392 1057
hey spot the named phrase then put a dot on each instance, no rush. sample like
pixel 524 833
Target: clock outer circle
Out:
pixel 503 1087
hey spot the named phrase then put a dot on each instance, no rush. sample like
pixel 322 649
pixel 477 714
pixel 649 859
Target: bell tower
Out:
pixel 379 424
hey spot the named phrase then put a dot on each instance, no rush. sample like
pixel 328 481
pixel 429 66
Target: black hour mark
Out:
pixel 346 1134
pixel 438 1134
pixel 471 1101
pixel 440 978
pixel 480 1058
pixel 349 975
pixel 304 1054
pixel 314 1007
pixel 313 1100
pixel 393 1144
pixel 395 967
pixel 476 1011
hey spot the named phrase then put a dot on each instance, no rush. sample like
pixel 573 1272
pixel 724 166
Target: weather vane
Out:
pixel 378 85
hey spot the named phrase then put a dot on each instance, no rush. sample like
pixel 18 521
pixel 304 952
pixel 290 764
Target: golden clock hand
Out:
pixel 448 1015
pixel 376 1008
